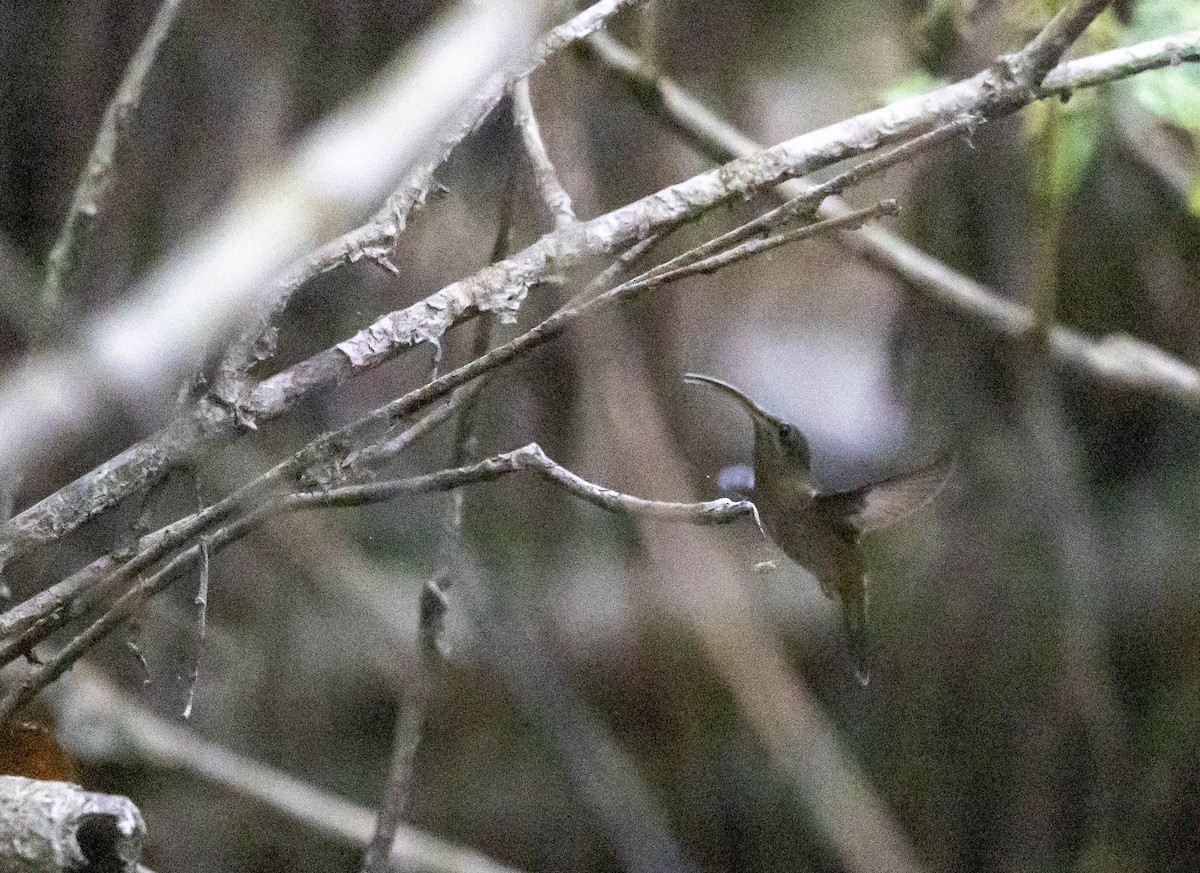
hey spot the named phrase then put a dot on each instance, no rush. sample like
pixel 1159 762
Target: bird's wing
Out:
pixel 875 506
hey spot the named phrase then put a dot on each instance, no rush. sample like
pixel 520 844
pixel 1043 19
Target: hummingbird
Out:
pixel 821 530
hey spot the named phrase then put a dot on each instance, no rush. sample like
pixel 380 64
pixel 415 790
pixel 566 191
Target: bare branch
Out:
pixel 1121 361
pixel 502 286
pixel 375 239
pixel 556 198
pixel 1045 50
pixel 850 221
pixel 530 458
pixel 55 606
pixel 100 172
pixel 132 731
pixel 35 619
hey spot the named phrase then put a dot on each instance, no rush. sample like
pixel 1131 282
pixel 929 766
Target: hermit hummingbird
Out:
pixel 821 531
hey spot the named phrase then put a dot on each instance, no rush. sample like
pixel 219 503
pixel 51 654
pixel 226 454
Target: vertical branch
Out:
pixel 99 173
pixel 201 602
pixel 605 777
pixel 410 724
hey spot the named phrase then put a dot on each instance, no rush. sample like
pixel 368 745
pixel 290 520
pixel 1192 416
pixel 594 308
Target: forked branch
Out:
pixel 502 287
pixel 529 458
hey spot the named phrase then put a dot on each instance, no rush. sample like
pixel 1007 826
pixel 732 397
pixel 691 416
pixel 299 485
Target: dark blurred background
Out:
pixel 1035 702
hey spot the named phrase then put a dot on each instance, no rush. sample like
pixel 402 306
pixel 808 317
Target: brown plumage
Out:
pixel 821 531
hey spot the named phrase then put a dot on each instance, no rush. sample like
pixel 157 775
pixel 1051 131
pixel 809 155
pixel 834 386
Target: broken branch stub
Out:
pixel 56 827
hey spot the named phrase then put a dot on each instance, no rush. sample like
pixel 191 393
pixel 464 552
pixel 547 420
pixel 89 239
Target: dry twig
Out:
pixel 502 287
pixel 1122 361
pixel 529 458
pixel 100 171
pixel 556 198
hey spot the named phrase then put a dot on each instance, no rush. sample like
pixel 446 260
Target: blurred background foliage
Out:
pixel 1036 695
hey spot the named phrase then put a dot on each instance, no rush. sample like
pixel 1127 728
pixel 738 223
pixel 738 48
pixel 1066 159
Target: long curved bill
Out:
pixel 737 394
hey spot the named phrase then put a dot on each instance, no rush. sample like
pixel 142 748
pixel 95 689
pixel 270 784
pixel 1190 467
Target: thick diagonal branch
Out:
pixel 378 235
pixel 501 287
pixel 1121 361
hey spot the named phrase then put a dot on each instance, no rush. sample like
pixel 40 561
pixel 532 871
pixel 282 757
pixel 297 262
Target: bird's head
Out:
pixel 773 437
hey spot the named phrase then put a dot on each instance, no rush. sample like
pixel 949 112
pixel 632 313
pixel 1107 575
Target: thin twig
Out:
pixel 201 602
pixel 712 263
pixel 1121 361
pixel 54 607
pixel 379 453
pixel 556 198
pixel 805 204
pixel 100 171
pixel 503 286
pixel 528 458
pixel 621 266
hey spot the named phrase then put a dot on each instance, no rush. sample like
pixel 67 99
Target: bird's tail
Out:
pixel 854 613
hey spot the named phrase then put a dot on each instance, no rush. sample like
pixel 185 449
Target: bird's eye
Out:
pixel 793 442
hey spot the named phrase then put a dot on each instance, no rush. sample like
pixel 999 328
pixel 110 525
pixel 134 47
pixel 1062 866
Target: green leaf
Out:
pixel 1172 93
